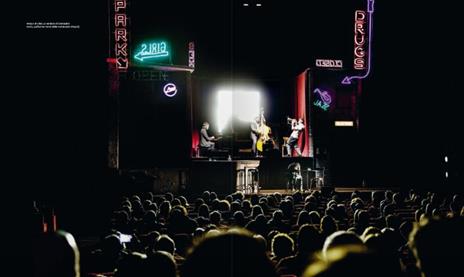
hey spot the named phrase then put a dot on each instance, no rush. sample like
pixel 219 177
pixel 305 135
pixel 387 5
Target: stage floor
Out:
pixel 227 176
pixel 337 189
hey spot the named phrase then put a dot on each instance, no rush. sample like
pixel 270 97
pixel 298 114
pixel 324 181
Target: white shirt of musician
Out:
pixel 296 129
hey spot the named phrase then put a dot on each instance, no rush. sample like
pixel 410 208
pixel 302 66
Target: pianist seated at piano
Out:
pixel 207 143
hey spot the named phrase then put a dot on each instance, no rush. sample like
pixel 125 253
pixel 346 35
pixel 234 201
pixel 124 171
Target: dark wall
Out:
pixel 61 146
pixel 218 176
pixel 154 128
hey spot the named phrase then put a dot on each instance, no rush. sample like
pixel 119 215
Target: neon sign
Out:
pixel 191 55
pixel 343 123
pixel 120 35
pixel 324 99
pixel 170 90
pixel 151 50
pixel 359 40
pixel 360 43
pixel 329 63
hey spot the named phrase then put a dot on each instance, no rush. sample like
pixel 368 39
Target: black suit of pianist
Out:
pixel 206 142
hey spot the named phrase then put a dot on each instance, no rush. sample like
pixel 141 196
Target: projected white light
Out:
pixel 241 104
pixel 246 104
pixel 223 108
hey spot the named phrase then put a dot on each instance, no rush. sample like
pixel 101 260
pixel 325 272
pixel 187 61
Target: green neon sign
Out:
pixel 151 51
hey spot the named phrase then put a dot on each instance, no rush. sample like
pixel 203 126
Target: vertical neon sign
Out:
pixel 191 54
pixel 120 35
pixel 360 42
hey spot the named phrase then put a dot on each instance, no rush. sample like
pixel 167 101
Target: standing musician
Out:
pixel 259 133
pixel 297 128
pixel 254 134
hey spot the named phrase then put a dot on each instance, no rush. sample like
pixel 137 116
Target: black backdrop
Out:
pixel 154 128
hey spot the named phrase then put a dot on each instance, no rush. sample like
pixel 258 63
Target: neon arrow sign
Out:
pixel 370 10
pixel 152 50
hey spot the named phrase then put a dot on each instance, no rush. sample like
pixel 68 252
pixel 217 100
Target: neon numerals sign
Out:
pixel 360 40
pixel 120 35
pixel 150 51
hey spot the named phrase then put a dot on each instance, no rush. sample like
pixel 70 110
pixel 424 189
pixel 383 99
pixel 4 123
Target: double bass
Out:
pixel 264 132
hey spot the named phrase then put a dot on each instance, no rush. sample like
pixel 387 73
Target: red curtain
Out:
pixel 300 112
pixel 195 142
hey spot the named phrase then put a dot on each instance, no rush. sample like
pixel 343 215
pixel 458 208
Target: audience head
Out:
pixel 282 246
pixel 56 255
pixel 371 230
pixel 165 209
pixel 303 218
pixel 111 245
pixel 328 225
pixel 133 262
pixel 215 218
pixel 198 203
pixel 206 196
pixel 341 238
pixel 436 244
pixel 224 206
pixel 159 263
pixel 235 206
pixel 232 253
pixel 277 215
pixel 262 241
pixel 315 217
pixel 169 196
pixel 309 239
pixel 246 207
pixel 203 211
pixel 257 210
pixel 392 221
pixel 350 260
pixel 166 244
pixel 183 201
pixel 198 232
pixel 239 219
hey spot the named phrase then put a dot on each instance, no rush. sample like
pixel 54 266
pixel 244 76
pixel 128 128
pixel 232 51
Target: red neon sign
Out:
pixel 359 40
pixel 120 35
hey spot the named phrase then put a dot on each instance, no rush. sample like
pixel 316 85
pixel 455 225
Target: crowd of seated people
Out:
pixel 380 233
